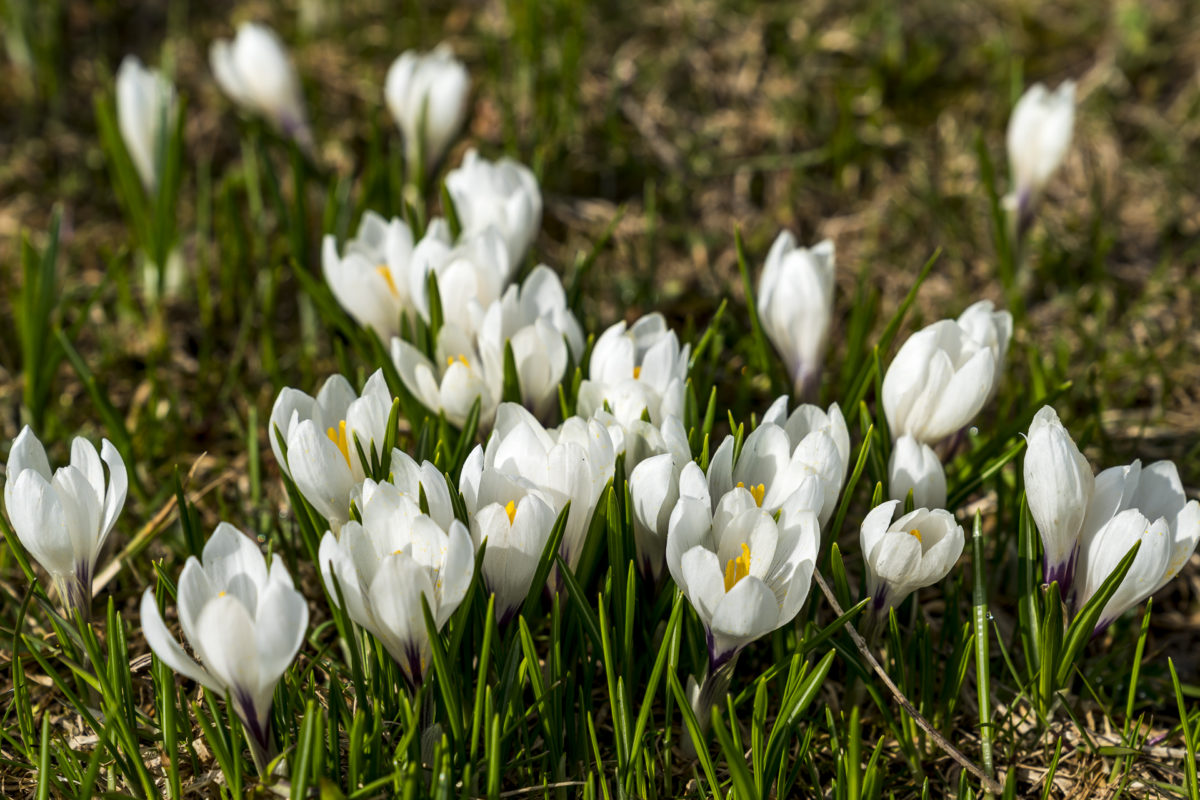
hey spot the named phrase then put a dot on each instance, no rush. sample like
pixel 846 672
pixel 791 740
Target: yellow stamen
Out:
pixel 460 357
pixel 386 274
pixel 637 372
pixel 338 437
pixel 757 492
pixel 917 533
pixel 511 509
pixel 737 568
pixel 398 551
pixel 220 594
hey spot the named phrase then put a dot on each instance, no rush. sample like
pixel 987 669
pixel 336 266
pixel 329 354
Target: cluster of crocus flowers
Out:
pixel 939 380
pixel 1088 523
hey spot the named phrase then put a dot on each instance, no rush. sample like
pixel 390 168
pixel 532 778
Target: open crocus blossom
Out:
pixel 515 519
pixel 938 382
pixel 323 437
pixel 244 622
pixel 771 470
pixel 498 194
pixel 255 71
pixel 543 333
pixel 745 572
pixel 62 518
pixel 454 380
pixel 1039 133
pixel 795 304
pixel 917 550
pixel 388 562
pixel 1058 486
pixel 654 490
pixel 636 369
pixel 1131 503
pixel 471 275
pixel 370 278
pixel 145 116
pixel 914 467
pixel 570 464
pixel 427 95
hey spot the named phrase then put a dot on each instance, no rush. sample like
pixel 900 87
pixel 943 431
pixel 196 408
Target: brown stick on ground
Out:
pixel 990 784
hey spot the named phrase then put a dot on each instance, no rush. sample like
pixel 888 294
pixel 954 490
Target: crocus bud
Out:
pixel 145 116
pixel 744 571
pixel 255 71
pixel 1039 133
pixel 370 279
pixel 915 467
pixel 795 305
pixel 917 550
pixel 498 194
pixel 937 382
pixel 63 518
pixel 427 95
pixel 1058 487
pixel 244 622
pixel 388 562
pixel 989 328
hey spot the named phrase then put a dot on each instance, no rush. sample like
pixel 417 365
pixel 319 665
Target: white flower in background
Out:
pixel 572 463
pixel 915 467
pixel 515 519
pixel 388 562
pixel 321 434
pixel 654 490
pixel 1131 503
pixel 938 382
pixel 430 89
pixel 636 369
pixel 1039 133
pixel 795 305
pixel 811 432
pixel 256 72
pixel 245 624
pixel 991 329
pixel 370 278
pixel 543 332
pixel 471 275
pixel 499 194
pixel 454 380
pixel 743 571
pixel 62 518
pixel 145 116
pixel 917 550
pixel 1058 486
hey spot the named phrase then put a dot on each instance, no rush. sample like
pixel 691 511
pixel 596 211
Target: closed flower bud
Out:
pixel 1039 133
pixel 1058 487
pixel 427 95
pixel 146 111
pixel 795 305
pixel 915 467
pixel 255 71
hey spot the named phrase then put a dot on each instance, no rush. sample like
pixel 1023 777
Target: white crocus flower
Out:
pixel 370 278
pixel 654 487
pixel 388 562
pixel 63 517
pixel 772 471
pixel 255 71
pixel 991 329
pixel 1131 503
pixel 744 572
pixel 429 90
pixel 1058 487
pixel 471 274
pixel 454 380
pixel 323 436
pixel 572 463
pixel 543 332
pixel 938 382
pixel 915 467
pixel 412 480
pixel 795 305
pixel 917 550
pixel 245 624
pixel 145 116
pixel 1039 133
pixel 515 519
pixel 636 369
pixel 499 194
pixel 819 439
